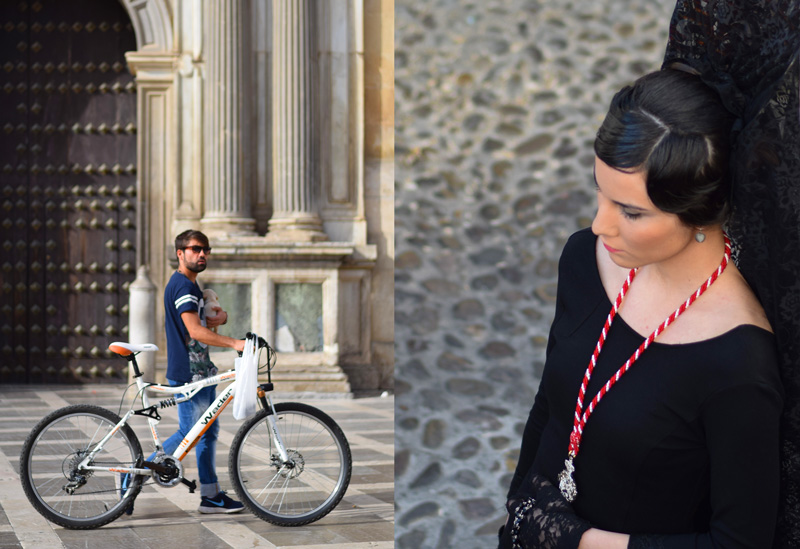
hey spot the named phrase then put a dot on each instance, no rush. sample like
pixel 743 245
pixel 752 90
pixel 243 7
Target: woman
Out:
pixel 679 449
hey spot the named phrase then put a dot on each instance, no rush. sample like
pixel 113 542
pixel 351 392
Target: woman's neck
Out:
pixel 685 271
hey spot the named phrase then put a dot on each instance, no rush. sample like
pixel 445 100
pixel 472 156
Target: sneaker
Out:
pixel 220 503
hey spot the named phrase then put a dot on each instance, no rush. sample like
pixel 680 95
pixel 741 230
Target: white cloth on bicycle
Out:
pixel 245 400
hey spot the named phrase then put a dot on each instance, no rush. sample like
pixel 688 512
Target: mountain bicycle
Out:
pixel 82 466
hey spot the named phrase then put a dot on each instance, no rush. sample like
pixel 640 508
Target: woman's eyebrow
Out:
pixel 621 204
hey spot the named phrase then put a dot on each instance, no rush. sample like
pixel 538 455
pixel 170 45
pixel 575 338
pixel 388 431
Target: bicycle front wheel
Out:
pixel 308 485
pixel 55 483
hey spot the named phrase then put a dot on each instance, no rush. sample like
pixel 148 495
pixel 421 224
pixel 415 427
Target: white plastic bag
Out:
pixel 245 400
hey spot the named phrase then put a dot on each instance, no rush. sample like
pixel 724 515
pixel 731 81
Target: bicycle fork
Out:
pixel 266 402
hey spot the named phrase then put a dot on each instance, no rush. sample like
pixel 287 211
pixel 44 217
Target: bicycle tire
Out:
pixel 297 494
pixel 49 459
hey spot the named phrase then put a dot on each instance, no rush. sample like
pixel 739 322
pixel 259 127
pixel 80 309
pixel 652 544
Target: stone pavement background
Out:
pixel 497 104
pixel 166 516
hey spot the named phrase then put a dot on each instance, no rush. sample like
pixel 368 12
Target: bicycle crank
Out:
pixel 167 470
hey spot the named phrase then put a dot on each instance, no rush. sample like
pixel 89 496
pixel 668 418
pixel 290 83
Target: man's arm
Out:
pixel 202 334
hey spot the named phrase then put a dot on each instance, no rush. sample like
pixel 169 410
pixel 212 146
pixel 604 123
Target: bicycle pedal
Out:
pixel 191 484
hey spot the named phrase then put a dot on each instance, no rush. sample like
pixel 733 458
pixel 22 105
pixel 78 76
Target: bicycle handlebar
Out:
pixel 262 343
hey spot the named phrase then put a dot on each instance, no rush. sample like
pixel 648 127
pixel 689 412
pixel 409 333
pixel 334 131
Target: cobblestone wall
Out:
pixel 497 103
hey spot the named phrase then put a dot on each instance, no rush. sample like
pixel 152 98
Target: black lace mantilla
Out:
pixel 748 51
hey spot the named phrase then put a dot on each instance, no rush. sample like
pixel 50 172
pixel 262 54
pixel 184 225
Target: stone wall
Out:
pixel 292 188
pixel 497 103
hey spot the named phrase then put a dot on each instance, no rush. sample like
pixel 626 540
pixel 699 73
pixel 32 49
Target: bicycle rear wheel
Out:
pixel 62 491
pixel 306 487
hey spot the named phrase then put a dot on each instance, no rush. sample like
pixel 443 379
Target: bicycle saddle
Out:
pixel 125 349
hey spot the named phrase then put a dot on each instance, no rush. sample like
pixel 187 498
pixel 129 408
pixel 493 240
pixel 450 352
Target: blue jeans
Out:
pixel 188 414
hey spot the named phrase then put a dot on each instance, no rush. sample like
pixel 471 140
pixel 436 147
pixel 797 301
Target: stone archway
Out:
pixel 152 24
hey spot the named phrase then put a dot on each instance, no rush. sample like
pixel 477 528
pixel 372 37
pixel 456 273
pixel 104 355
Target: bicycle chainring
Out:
pixel 173 474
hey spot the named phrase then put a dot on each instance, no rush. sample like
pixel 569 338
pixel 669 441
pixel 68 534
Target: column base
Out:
pixel 216 227
pixel 296 228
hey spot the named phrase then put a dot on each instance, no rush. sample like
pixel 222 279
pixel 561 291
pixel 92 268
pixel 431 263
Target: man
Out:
pixel 188 338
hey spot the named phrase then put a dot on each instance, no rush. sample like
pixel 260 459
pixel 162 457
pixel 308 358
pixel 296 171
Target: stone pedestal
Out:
pixel 304 299
pixel 142 321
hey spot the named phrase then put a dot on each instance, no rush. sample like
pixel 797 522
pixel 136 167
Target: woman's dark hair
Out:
pixel 672 128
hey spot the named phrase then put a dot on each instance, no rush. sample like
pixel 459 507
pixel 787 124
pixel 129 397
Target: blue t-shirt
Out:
pixel 187 358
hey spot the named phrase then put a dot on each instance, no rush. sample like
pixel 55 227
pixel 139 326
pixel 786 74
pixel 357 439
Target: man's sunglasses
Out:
pixel 198 249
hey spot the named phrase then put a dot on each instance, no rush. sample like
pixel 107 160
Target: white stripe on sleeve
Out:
pixel 188 298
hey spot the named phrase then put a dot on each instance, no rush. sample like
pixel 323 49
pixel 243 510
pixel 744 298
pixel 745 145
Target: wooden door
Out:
pixel 67 189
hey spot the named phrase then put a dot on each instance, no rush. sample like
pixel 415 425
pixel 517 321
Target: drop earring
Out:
pixel 699 236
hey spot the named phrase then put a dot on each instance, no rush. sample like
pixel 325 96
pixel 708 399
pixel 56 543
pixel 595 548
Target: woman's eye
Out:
pixel 630 215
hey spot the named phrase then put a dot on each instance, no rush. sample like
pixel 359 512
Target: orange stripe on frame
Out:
pixel 213 419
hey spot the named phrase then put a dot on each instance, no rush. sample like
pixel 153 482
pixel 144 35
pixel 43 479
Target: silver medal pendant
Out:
pixel 565 481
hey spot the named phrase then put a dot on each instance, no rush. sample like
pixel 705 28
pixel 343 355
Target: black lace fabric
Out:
pixel 748 51
pixel 550 523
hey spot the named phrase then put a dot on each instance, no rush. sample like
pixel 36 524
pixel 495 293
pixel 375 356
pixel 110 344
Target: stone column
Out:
pixel 295 172
pixel 157 174
pixel 226 206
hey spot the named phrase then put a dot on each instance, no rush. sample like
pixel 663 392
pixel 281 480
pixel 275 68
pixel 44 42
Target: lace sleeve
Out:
pixel 541 518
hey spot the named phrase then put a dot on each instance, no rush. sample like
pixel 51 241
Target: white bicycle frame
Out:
pixel 193 436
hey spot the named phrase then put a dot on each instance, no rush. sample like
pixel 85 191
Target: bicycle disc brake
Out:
pixel 292 467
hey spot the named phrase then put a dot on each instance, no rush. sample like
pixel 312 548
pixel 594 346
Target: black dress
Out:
pixel 685 445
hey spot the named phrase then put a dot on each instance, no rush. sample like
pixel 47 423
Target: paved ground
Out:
pixel 497 104
pixel 364 518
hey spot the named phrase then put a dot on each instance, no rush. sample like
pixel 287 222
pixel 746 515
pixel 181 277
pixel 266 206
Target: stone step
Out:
pixel 296 379
pixel 317 379
pixel 340 388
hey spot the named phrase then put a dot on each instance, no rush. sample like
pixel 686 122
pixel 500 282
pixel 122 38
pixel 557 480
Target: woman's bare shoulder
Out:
pixel 735 304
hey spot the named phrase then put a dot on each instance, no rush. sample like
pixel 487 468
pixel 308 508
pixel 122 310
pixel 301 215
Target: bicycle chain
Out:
pixel 110 464
pixel 116 490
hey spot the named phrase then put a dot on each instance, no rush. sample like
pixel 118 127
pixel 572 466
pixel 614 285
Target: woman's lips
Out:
pixel 610 249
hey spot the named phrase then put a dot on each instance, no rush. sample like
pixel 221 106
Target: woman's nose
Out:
pixel 602 224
